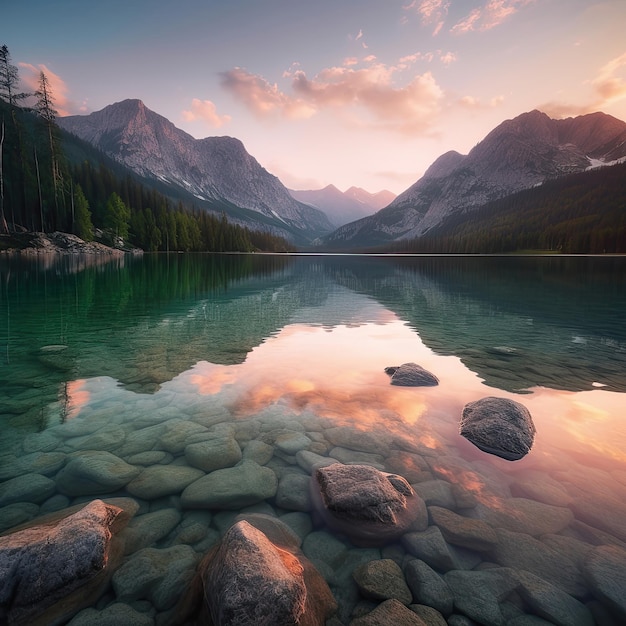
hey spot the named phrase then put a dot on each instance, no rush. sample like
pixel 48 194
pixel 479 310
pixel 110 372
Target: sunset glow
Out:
pixel 356 93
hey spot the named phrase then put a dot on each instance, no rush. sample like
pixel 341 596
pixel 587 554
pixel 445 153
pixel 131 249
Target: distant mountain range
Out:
pixel 215 173
pixel 342 207
pixel 218 174
pixel 518 154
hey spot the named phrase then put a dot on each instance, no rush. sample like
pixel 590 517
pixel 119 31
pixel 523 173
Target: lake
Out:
pixel 277 360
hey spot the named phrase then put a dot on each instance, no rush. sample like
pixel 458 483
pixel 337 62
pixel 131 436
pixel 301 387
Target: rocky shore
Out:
pixel 64 243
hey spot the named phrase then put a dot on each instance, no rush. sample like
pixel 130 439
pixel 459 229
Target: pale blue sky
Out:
pixel 349 92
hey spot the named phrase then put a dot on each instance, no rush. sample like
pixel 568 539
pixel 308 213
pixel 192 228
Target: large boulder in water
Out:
pixel 411 375
pixel 498 426
pixel 250 579
pixel 370 506
pixel 59 565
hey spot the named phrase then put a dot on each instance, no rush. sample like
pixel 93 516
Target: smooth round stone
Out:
pixel 151 457
pixel 605 571
pixel 387 613
pixel 232 487
pixel 411 375
pixel 382 579
pixel 430 546
pixel 376 442
pixel 428 586
pixel 214 453
pixel 498 426
pixel 178 434
pixel 117 613
pixel 463 531
pixel 109 438
pixel 258 451
pixel 293 492
pixel 27 488
pixel 291 443
pixel 15 514
pixel 94 472
pixel 162 480
pixel 310 461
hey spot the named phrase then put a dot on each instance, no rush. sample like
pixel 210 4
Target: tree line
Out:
pixel 582 213
pixel 43 190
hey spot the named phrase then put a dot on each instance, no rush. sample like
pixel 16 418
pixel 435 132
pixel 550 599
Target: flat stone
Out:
pixel 116 613
pixel 436 492
pixel 605 571
pixel 94 472
pixel 150 457
pixel 498 426
pixel 217 452
pixel 411 375
pixel 370 506
pixel 108 438
pixel 463 531
pixel 310 461
pixel 428 587
pixel 27 488
pixel 430 616
pixel 430 546
pixel 57 567
pixel 539 486
pixel 382 579
pixel 347 456
pixel 525 516
pixel 521 551
pixel 572 548
pixel 258 451
pixel 294 492
pixel 477 594
pixel 232 487
pixel 178 434
pixel 14 514
pixel 158 575
pixel 162 480
pixel 376 442
pixel 145 530
pixel 390 612
pixel 550 602
pixel 292 442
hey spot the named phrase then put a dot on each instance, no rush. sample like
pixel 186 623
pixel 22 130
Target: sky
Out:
pixel 364 93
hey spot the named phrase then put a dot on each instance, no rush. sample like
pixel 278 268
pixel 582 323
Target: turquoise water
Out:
pixel 140 356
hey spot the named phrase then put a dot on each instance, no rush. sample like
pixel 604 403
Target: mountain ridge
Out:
pixel 518 154
pixel 210 169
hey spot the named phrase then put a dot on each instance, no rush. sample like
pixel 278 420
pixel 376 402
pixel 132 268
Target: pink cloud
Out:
pixel 365 96
pixel 609 87
pixel 489 15
pixel 30 74
pixel 205 111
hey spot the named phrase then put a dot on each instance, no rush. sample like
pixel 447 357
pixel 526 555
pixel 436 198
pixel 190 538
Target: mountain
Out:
pixel 518 154
pixel 216 172
pixel 343 207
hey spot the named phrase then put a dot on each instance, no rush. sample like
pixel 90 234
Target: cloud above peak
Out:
pixel 366 96
pixel 30 75
pixel 205 111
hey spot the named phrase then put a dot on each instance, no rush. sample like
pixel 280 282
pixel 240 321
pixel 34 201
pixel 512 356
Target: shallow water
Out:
pixel 140 357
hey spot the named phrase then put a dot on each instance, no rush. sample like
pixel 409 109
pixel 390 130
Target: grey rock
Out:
pixel 605 571
pixel 145 530
pixel 310 461
pixel 371 507
pixel 294 492
pixel 108 438
pixel 178 434
pixel 151 457
pixel 411 375
pixel 232 487
pixel 478 594
pixel 258 451
pixel 549 601
pixel 376 442
pixel 160 576
pixel 390 612
pixel 291 443
pixel 94 472
pixel 430 616
pixel 382 579
pixel 346 456
pixel 17 513
pixel 428 587
pixel 162 480
pixel 430 546
pixel 116 613
pixel 217 452
pixel 463 531
pixel 51 569
pixel 498 426
pixel 27 488
pixel 521 551
pixel 437 493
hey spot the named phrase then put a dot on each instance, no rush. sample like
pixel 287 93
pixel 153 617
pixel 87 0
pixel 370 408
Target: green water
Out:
pixel 96 353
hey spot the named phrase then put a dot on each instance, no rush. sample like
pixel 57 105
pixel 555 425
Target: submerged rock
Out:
pixel 605 571
pixel 498 426
pixel 250 579
pixel 370 506
pixel 50 570
pixel 411 375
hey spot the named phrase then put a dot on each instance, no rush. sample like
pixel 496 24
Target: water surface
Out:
pixel 99 355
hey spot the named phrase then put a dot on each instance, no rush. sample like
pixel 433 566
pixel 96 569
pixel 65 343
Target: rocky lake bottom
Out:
pixel 165 482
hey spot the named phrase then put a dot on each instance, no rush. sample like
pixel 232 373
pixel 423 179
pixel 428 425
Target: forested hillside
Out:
pixel 582 213
pixel 50 181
